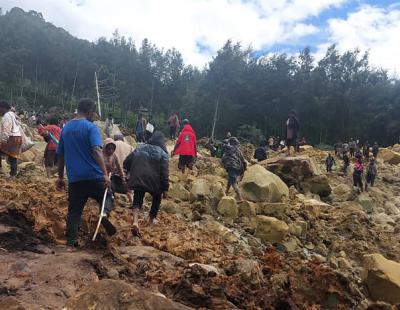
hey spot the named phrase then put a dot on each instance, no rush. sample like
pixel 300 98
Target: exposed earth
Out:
pixel 311 245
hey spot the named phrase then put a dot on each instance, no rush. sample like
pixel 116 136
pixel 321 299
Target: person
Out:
pixel 211 147
pixel 140 128
pixel 51 134
pixel 185 147
pixel 329 162
pixel 261 152
pixel 292 129
pixel 271 142
pixel 10 137
pixel 149 173
pixel 375 149
pixel 345 147
pixel 338 148
pixel 358 174
pixel 150 128
pixel 122 151
pixel 366 150
pixel 372 172
pixel 79 149
pixel 235 165
pixel 173 123
pixel 346 162
pixel 352 147
pixel 63 122
pixel 108 126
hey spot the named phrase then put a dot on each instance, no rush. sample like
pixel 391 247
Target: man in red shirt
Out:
pixel 51 134
pixel 186 147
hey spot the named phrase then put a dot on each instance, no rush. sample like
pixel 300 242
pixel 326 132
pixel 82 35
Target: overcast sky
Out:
pixel 198 28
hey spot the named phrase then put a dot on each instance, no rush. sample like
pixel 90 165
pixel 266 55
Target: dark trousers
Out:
pixel 352 152
pixel 138 202
pixel 172 133
pixel 328 168
pixel 13 164
pixel 78 195
pixel 357 180
pixel 140 136
pixel 371 179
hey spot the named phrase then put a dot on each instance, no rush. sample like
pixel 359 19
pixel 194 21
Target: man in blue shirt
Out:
pixel 79 149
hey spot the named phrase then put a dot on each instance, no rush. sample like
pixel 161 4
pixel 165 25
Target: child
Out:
pixel 358 173
pixel 329 162
pixel 372 171
pixel 235 164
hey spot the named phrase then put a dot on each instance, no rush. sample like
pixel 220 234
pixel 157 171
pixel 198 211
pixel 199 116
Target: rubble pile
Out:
pixel 302 239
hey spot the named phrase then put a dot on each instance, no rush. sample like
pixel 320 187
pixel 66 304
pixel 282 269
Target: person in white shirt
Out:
pixel 10 136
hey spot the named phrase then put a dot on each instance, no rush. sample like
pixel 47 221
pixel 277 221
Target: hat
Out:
pixel 185 121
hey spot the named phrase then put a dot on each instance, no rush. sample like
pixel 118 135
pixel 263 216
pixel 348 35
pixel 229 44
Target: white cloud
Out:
pixel 183 23
pixel 369 28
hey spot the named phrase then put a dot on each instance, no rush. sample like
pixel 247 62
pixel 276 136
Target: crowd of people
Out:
pixel 365 168
pixel 93 165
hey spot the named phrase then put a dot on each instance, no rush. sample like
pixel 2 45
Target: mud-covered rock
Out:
pixel 260 185
pixel 270 229
pixel 177 190
pixel 114 294
pixel 389 156
pixel 228 207
pixel 382 278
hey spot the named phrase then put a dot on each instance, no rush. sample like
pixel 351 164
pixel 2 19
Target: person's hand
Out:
pixel 107 181
pixel 165 195
pixel 60 184
pixel 172 153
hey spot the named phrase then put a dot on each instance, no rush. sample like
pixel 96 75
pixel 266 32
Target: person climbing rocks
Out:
pixel 122 149
pixel 149 173
pixel 115 171
pixel 51 134
pixel 186 147
pixel 372 172
pixel 292 130
pixel 10 137
pixel 346 162
pixel 173 123
pixel 375 150
pixel 358 174
pixel 261 152
pixel 108 126
pixel 140 128
pixel 352 147
pixel 329 162
pixel 235 165
pixel 79 149
pixel 366 150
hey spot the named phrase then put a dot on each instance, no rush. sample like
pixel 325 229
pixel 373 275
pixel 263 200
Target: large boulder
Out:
pixel 228 207
pixel 382 278
pixel 220 230
pixel 366 202
pixel 114 294
pixel 200 190
pixel 178 191
pixel 300 171
pixel 270 229
pixel 389 156
pixel 261 185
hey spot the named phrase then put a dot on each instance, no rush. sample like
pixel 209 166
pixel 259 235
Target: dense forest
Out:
pixel 338 97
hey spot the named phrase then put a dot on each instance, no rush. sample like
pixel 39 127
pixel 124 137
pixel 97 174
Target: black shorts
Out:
pixel 185 161
pixel 50 158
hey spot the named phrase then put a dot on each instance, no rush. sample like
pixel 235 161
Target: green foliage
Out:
pixel 339 97
pixel 250 133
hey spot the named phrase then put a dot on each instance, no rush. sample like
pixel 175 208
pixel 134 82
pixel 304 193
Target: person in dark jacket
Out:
pixel 375 149
pixel 149 173
pixel 235 164
pixel 329 162
pixel 346 162
pixel 372 172
pixel 292 130
pixel 261 152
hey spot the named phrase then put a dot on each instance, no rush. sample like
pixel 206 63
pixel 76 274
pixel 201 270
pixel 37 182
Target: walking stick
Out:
pixel 101 213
